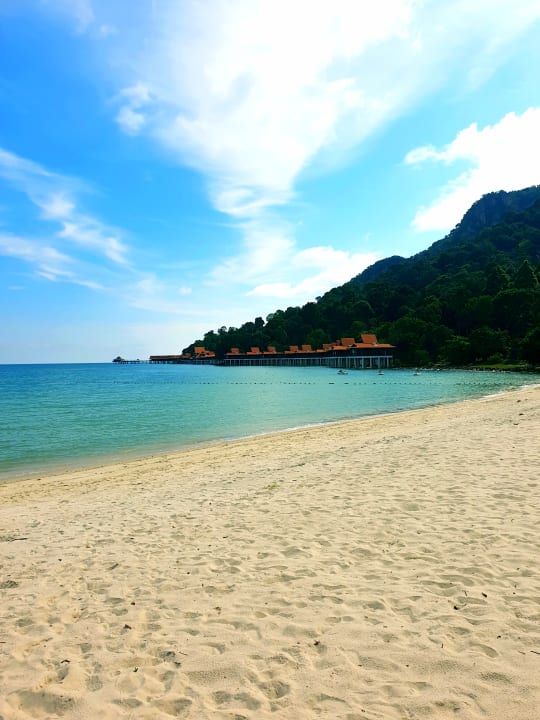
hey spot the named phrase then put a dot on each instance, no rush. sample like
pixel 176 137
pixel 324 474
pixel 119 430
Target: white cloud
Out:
pixel 267 249
pixel 55 196
pixel 137 94
pixel 245 202
pixel 19 171
pixel 79 11
pixel 272 266
pixel 503 156
pixel 51 192
pixel 335 267
pixel 91 234
pixel 105 30
pixel 251 92
pixel 54 273
pixel 255 94
pixel 129 117
pixel 31 251
pixel 56 206
pixel 130 120
pixel 88 241
pixel 49 263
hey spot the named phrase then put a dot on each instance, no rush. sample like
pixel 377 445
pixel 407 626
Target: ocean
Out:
pixel 56 417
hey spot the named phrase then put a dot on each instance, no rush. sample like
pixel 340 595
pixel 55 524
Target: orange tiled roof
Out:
pixel 201 351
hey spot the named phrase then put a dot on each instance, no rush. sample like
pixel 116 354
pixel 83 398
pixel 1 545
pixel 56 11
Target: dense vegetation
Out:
pixel 472 297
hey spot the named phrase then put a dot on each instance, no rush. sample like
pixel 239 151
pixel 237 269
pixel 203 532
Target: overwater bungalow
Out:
pixel 368 352
pixel 345 353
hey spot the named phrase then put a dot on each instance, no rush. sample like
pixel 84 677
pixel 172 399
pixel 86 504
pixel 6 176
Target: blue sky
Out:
pixel 169 167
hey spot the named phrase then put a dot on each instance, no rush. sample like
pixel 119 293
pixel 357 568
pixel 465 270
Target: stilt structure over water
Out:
pixel 347 354
pixel 123 361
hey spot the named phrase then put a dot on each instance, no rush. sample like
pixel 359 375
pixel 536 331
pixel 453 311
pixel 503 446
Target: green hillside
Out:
pixel 472 297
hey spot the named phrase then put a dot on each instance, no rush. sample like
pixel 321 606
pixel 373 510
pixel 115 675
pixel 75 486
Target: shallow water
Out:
pixel 65 416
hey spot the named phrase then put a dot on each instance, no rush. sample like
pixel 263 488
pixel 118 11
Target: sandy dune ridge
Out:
pixel 379 569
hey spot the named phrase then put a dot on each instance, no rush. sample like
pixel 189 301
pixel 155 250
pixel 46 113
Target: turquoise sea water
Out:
pixel 65 416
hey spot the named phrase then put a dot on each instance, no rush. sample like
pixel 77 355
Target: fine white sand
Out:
pixel 385 568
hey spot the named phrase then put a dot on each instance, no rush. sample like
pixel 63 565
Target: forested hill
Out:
pixel 489 210
pixel 472 297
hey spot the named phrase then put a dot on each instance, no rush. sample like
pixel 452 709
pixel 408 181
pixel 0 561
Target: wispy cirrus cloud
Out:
pixel 20 172
pixel 55 196
pixel 91 234
pixel 503 156
pixel 75 247
pixel 31 251
pixel 48 262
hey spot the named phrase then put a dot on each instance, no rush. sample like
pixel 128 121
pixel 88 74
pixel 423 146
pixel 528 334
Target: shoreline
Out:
pixel 381 568
pixel 131 455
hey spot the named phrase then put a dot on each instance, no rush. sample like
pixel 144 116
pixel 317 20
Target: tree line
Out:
pixel 471 298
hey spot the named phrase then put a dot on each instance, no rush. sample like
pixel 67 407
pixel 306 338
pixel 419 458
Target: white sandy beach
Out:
pixel 385 569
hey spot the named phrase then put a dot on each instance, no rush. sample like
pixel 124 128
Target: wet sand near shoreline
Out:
pixel 383 568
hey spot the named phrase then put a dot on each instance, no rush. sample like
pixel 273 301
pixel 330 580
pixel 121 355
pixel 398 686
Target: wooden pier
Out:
pixel 345 362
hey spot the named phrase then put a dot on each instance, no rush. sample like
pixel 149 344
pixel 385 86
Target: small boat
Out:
pixel 416 372
pixel 380 372
pixel 342 372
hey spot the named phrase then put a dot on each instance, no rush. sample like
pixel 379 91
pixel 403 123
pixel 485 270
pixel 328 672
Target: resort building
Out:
pixel 346 353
